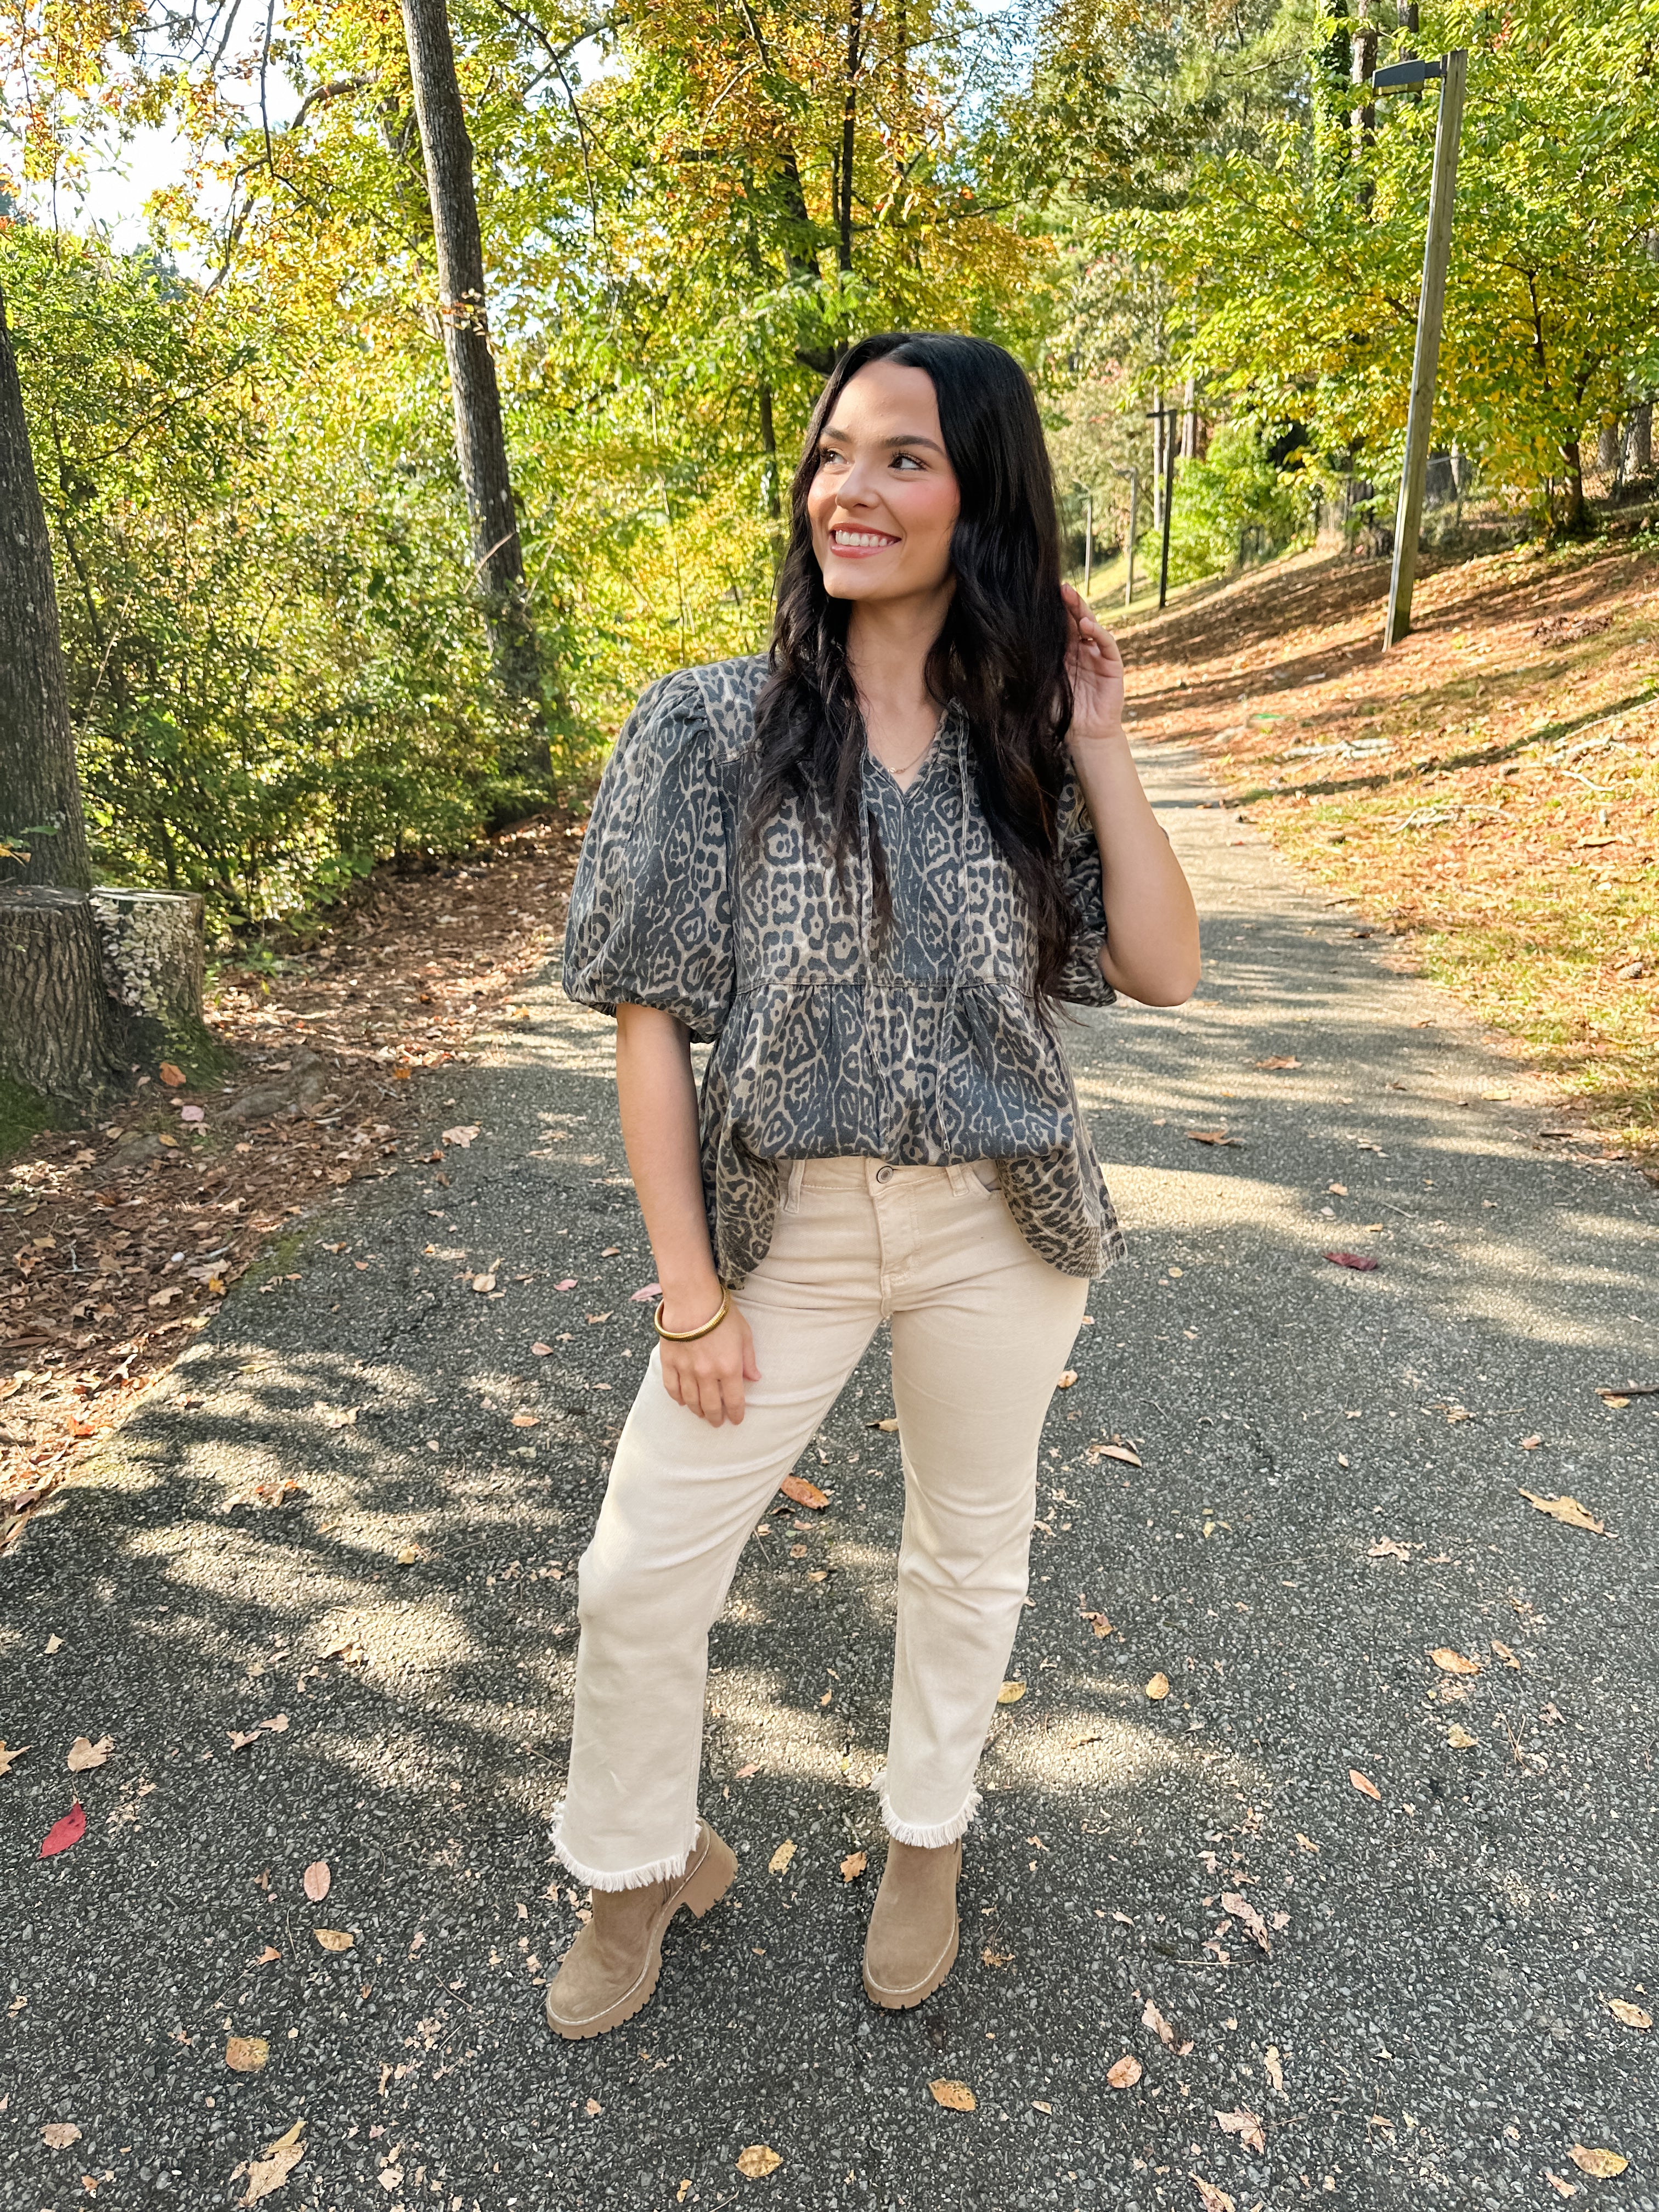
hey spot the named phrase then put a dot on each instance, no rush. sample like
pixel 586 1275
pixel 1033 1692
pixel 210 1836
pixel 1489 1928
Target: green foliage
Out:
pixel 1233 506
pixel 276 679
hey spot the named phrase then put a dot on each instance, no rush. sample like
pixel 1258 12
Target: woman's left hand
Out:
pixel 1096 669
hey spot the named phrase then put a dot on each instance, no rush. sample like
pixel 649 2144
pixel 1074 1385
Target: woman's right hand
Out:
pixel 708 1374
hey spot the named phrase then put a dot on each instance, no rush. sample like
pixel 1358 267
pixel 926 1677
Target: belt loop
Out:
pixel 792 1187
pixel 959 1176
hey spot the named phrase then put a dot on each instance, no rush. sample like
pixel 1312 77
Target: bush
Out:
pixel 1233 506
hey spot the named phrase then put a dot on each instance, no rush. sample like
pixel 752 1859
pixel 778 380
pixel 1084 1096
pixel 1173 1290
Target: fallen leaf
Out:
pixel 1306 1841
pixel 645 1294
pixel 780 1857
pixel 1274 2067
pixel 334 1939
pixel 955 2096
pixel 238 1740
pixel 1153 2019
pixel 247 2054
pixel 594 2108
pixel 483 1284
pixel 801 1492
pixel 1246 2126
pixel 743 1772
pixel 853 1865
pixel 462 1136
pixel 1612 1397
pixel 1567 1509
pixel 1531 1444
pixel 1459 1737
pixel 889 1426
pixel 1158 1688
pixel 1247 1915
pixel 410 1556
pixel 1631 2016
pixel 1066 1379
pixel 1280 1060
pixel 317 1878
pixel 59 2134
pixel 1011 1694
pixel 84 1755
pixel 569 1284
pixel 1099 1622
pixel 269 2173
pixel 1212 2198
pixel 269 1956
pixel 1123 2072
pixel 1360 1260
pixel 1561 2188
pixel 757 2160
pixel 64 1833
pixel 1366 1788
pixel 1454 1662
pixel 542 1351
pixel 1504 1652
pixel 1337 1189
pixel 1386 1548
pixel 9 1758
pixel 526 1420
pixel 1603 2164
pixel 1213 1137
pixel 172 1076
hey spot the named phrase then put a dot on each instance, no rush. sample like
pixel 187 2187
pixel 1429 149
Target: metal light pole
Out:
pixel 1088 540
pixel 1134 525
pixel 1453 72
pixel 1169 505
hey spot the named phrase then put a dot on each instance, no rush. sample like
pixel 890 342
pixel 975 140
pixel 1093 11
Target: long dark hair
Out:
pixel 1001 652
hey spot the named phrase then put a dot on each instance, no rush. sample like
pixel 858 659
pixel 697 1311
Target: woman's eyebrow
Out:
pixel 892 444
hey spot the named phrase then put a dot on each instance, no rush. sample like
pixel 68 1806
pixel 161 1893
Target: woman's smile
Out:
pixel 857 543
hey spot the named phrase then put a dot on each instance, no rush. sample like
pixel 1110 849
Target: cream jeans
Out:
pixel 980 1328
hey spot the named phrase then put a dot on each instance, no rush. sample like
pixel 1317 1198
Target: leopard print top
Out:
pixel 915 1039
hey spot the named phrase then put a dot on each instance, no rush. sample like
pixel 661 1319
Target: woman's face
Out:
pixel 885 499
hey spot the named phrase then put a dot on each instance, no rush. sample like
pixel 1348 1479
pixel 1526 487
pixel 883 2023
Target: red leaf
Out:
pixel 803 1492
pixel 1362 1261
pixel 61 1833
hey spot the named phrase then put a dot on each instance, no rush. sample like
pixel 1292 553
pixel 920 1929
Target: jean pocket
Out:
pixel 984 1173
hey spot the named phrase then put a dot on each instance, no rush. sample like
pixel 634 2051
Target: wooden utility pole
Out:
pixel 480 439
pixel 1425 365
pixel 1088 540
pixel 1169 506
pixel 1134 528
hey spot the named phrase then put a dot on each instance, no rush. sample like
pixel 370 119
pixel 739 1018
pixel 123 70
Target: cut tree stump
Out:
pixel 56 1036
pixel 153 956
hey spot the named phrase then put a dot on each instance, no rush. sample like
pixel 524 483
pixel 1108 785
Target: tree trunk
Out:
pixel 42 837
pixel 1574 520
pixel 1364 49
pixel 480 440
pixel 1639 444
pixel 849 113
pixel 56 1033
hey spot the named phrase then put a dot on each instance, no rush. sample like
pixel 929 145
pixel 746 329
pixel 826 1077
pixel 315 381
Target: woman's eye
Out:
pixel 906 461
pixel 827 455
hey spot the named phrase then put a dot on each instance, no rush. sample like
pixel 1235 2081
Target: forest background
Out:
pixel 280 661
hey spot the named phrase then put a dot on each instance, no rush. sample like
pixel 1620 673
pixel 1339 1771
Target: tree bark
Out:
pixel 480 439
pixel 42 837
pixel 1639 445
pixel 850 115
pixel 1575 514
pixel 56 1033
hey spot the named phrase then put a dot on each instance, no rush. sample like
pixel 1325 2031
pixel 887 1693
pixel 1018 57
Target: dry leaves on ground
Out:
pixel 59 2134
pixel 1245 1913
pixel 1246 2125
pixel 1274 2067
pixel 1631 2015
pixel 1212 2198
pixel 327 1032
pixel 1364 1785
pixel 779 1862
pixel 334 1939
pixel 955 2096
pixel 1158 1688
pixel 1213 1137
pixel 1361 1263
pixel 1567 1510
pixel 84 1755
pixel 853 1865
pixel 317 1878
pixel 1153 2019
pixel 10 1754
pixel 1123 2072
pixel 1603 2164
pixel 247 2054
pixel 1450 1661
pixel 1459 1737
pixel 267 2174
pixel 801 1492
pixel 64 1833
pixel 757 2160
pixel 1011 1694
pixel 1124 1452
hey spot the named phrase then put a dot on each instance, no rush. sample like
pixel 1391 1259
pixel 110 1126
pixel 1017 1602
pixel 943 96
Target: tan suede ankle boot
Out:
pixel 611 1971
pixel 912 1943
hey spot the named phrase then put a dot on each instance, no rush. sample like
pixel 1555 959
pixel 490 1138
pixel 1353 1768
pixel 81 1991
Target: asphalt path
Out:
pixel 1331 1464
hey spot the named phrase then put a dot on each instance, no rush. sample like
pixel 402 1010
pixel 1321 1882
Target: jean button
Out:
pixel 884 1174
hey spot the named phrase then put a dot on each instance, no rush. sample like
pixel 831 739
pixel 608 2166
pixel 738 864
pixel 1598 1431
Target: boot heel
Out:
pixel 713 1878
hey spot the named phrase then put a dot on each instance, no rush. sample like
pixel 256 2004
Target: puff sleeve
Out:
pixel 1081 980
pixel 650 919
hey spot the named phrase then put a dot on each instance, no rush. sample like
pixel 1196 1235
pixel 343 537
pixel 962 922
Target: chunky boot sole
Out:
pixel 709 1875
pixel 903 2000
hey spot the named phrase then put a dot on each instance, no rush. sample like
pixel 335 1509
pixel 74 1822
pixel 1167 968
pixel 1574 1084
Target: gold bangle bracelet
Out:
pixel 690 1335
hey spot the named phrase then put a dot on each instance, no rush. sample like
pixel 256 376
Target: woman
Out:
pixel 865 868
